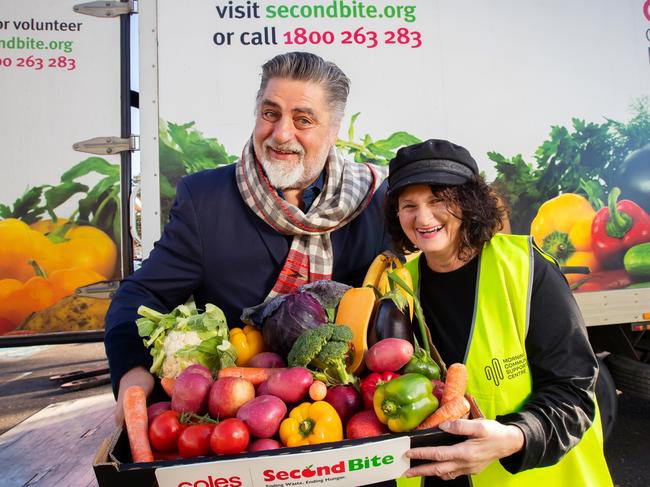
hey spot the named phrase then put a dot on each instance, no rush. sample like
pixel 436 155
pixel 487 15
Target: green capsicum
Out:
pixel 422 363
pixel 404 402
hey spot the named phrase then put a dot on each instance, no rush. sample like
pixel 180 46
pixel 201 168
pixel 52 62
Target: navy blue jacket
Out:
pixel 216 249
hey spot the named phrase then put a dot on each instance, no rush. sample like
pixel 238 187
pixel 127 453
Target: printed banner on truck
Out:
pixel 59 209
pixel 551 98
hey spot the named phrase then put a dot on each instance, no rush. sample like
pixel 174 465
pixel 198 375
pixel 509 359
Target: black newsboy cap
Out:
pixel 433 161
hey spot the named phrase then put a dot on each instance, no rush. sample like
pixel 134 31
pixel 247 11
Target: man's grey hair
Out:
pixel 304 66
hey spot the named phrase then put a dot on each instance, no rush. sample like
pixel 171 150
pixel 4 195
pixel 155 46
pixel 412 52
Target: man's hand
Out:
pixel 487 441
pixel 137 376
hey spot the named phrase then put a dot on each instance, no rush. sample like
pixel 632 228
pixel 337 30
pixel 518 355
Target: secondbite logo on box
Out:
pixel 310 471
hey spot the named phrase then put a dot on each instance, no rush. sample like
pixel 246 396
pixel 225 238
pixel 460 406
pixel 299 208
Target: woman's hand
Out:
pixel 137 376
pixel 488 440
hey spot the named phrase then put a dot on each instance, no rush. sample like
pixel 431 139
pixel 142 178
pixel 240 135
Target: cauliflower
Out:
pixel 172 364
pixel 186 336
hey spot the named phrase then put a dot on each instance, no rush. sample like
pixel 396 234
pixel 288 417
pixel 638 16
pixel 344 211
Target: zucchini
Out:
pixel 637 260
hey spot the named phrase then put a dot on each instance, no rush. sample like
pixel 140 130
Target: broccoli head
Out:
pixel 341 333
pixel 324 351
pixel 308 345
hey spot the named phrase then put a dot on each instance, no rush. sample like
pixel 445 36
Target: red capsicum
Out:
pixel 616 228
pixel 369 384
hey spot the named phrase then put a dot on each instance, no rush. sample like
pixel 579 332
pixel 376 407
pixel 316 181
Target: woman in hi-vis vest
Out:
pixel 502 307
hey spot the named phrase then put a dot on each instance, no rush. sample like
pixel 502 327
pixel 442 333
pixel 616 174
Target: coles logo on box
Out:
pixel 214 482
pixel 341 467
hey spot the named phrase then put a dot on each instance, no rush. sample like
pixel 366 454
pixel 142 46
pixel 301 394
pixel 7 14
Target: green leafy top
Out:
pixel 375 151
pixel 97 206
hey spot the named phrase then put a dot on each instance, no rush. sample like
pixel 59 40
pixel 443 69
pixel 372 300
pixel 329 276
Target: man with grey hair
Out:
pixel 291 211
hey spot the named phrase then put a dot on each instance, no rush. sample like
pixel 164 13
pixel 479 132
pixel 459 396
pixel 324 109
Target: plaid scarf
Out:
pixel 348 189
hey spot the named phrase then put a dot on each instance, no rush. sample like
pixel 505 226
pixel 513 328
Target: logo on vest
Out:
pixel 507 368
pixel 493 372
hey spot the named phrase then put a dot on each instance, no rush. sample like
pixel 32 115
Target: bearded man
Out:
pixel 292 210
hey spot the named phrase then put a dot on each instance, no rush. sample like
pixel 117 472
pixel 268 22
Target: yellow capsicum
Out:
pixel 310 424
pixel 562 228
pixel 248 343
pixel 63 247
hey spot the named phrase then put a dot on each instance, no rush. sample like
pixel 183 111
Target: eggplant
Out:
pixel 390 322
pixel 633 178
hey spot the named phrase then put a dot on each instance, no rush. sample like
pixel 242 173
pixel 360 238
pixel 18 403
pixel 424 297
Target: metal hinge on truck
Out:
pixel 107 145
pixel 105 8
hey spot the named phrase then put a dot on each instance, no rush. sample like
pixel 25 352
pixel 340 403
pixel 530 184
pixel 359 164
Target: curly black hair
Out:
pixel 482 215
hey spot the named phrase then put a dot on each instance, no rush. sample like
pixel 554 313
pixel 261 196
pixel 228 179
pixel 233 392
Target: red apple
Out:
pixel 364 424
pixel 227 395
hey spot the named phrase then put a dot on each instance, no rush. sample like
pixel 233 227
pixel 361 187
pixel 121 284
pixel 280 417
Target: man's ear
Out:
pixel 335 133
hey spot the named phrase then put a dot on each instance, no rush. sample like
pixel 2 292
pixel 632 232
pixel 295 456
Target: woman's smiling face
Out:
pixel 431 225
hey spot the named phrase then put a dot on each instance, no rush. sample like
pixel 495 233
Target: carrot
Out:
pixel 255 375
pixel 168 384
pixel 455 383
pixel 317 390
pixel 456 408
pixel 135 417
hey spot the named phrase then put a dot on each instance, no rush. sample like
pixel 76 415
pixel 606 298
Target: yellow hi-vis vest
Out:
pixel 499 374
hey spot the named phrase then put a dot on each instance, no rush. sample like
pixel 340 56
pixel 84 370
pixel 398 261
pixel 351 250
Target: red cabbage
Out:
pixel 297 313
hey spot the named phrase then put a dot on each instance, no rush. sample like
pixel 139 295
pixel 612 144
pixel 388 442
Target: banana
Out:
pixel 377 274
pixel 375 270
pixel 383 286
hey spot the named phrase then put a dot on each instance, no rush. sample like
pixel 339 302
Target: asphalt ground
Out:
pixel 25 388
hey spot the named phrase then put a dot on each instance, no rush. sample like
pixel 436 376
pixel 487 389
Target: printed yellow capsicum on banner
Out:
pixel 310 424
pixel 19 299
pixel 247 341
pixel 562 228
pixel 53 246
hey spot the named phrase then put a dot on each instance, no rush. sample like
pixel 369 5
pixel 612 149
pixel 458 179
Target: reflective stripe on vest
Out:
pixel 499 374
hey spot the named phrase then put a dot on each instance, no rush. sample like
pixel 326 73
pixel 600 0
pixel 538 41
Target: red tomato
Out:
pixel 195 440
pixel 165 430
pixel 229 437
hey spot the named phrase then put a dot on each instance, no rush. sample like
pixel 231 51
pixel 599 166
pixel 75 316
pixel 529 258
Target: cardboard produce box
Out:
pixel 345 463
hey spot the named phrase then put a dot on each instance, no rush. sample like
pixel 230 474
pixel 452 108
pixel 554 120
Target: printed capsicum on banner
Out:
pixel 45 262
pixel 618 227
pixel 562 228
